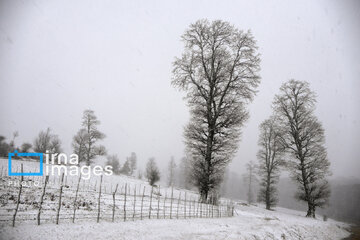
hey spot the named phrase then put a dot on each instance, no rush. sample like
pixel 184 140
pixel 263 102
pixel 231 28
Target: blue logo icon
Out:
pixel 40 155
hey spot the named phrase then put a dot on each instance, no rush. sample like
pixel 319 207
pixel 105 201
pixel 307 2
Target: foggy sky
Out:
pixel 58 58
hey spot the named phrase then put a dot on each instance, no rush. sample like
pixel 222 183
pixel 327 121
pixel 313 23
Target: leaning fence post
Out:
pixel 125 202
pixel 60 194
pixel 142 203
pixel 158 207
pixel 98 215
pixel 42 199
pixel 134 203
pixel 76 194
pixel 114 193
pixel 177 209
pixel 172 194
pixel 18 200
pixel 150 201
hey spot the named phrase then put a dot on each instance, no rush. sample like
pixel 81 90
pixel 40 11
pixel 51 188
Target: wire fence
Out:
pixel 58 199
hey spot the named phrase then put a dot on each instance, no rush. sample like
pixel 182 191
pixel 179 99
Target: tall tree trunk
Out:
pixel 267 193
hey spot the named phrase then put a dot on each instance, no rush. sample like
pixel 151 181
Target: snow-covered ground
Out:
pixel 250 222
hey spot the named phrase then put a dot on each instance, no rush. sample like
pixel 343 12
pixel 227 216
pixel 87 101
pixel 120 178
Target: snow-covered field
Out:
pixel 250 222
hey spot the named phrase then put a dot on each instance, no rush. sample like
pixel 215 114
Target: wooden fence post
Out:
pixel 212 208
pixel 200 208
pixel 125 202
pixel 158 207
pixel 172 194
pixel 18 200
pixel 60 195
pixel 164 204
pixel 197 209
pixel 190 202
pixel 76 194
pixel 150 201
pixel 98 215
pixel 142 203
pixel 134 203
pixel 185 207
pixel 42 199
pixel 177 209
pixel 114 193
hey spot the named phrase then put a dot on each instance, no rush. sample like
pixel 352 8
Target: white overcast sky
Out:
pixel 58 58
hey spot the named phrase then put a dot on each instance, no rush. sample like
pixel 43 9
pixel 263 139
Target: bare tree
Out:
pixel 250 179
pixel 171 172
pixel 12 143
pixel 152 172
pixel 78 144
pixel 304 140
pixel 270 158
pixel 219 70
pixel 46 141
pixel 84 143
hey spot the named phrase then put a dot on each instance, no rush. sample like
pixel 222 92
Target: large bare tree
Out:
pixel 219 71
pixel 84 142
pixel 304 140
pixel 270 156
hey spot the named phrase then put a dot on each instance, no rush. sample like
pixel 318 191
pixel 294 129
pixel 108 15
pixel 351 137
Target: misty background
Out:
pixel 115 57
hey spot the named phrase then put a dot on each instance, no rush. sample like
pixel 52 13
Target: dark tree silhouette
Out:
pixel 152 172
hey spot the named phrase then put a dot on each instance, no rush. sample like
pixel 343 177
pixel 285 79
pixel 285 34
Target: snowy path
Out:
pixel 250 223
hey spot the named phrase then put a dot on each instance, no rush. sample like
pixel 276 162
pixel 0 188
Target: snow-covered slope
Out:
pixel 250 222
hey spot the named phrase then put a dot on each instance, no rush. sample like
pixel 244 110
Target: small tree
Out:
pixel 152 172
pixel 12 142
pixel 184 173
pixel 113 160
pixel 46 141
pixel 84 142
pixel 78 144
pixel 139 174
pixel 270 159
pixel 25 147
pixel 133 162
pixel 4 147
pixel 126 168
pixel 250 179
pixel 171 172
